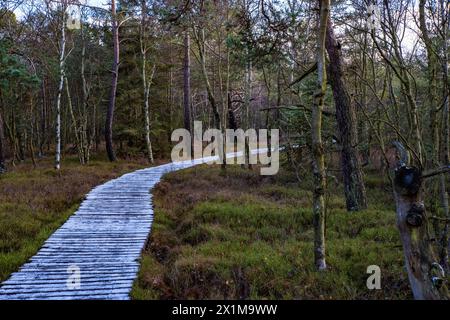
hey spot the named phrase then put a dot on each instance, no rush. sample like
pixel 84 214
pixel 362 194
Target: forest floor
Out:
pixel 34 202
pixel 245 236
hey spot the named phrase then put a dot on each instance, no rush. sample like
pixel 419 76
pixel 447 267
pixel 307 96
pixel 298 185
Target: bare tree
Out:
pixel 62 59
pixel 113 89
pixel 146 81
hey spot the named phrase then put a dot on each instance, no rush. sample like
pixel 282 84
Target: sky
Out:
pixel 408 41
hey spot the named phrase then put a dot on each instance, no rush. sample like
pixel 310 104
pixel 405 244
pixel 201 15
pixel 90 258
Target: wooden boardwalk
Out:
pixel 103 240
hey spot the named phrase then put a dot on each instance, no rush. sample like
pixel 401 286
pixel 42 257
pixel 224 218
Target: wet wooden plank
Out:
pixel 104 239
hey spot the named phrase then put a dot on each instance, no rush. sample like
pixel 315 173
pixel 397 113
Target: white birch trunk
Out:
pixel 60 91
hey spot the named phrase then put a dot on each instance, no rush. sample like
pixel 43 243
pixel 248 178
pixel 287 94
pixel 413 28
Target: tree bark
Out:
pixel 113 90
pixel 355 191
pixel 317 145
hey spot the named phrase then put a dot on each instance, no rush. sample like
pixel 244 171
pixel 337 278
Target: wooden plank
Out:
pixel 104 239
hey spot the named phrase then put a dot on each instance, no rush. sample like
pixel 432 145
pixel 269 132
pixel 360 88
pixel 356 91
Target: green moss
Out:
pixel 241 239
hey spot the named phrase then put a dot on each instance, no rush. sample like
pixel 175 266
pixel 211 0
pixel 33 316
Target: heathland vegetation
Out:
pixel 359 91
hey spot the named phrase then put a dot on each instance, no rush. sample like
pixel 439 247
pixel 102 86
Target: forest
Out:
pixel 358 89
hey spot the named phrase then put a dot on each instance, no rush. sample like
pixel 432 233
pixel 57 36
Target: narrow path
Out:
pixel 103 240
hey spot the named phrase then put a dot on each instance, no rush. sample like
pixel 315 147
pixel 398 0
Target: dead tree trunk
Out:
pixel 426 276
pixel 355 191
pixel 113 90
pixel 317 145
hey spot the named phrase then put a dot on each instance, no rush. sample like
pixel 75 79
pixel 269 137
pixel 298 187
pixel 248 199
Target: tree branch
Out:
pixel 435 172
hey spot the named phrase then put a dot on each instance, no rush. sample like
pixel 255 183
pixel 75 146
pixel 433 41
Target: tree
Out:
pixel 434 126
pixel 444 255
pixel 146 81
pixel 187 82
pixel 62 60
pixel 426 275
pixel 113 90
pixel 317 145
pixel 355 191
pixel 2 146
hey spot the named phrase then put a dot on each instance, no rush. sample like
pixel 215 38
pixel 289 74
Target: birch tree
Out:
pixel 113 89
pixel 146 80
pixel 62 59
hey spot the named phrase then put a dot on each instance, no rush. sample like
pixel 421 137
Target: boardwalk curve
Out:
pixel 100 244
